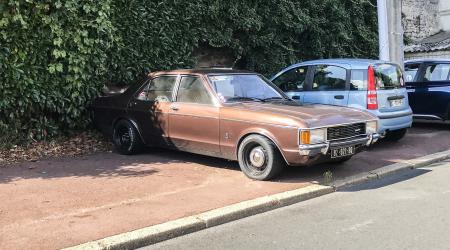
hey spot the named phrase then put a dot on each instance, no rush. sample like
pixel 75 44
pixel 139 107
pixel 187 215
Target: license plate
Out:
pixel 396 103
pixel 341 152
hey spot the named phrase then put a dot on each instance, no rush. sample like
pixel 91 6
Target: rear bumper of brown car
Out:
pixel 324 148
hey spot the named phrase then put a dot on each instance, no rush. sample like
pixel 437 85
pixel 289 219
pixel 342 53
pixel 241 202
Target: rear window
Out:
pixel 388 76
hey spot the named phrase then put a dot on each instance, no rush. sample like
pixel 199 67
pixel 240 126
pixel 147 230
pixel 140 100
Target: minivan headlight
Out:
pixel 313 136
pixel 371 127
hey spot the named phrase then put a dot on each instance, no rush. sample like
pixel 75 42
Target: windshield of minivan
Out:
pixel 243 87
pixel 388 76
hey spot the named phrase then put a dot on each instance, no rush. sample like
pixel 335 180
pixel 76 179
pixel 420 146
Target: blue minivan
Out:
pixel 372 85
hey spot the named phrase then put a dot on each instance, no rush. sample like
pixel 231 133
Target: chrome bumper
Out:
pixel 323 148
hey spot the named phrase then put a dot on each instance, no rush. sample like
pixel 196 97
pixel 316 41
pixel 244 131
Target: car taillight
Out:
pixel 372 102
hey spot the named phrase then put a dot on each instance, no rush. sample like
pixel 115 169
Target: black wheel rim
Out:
pixel 122 137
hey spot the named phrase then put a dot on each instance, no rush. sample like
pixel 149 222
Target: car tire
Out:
pixel 259 158
pixel 126 138
pixel 396 135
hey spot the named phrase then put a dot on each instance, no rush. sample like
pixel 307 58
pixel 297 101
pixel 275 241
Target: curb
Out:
pixel 171 229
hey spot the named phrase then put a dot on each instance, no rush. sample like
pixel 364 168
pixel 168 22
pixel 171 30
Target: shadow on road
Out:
pixel 406 175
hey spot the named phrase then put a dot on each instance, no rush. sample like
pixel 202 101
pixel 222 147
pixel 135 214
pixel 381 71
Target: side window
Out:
pixel 328 78
pixel 411 72
pixel 292 80
pixel 358 80
pixel 437 72
pixel 159 89
pixel 192 90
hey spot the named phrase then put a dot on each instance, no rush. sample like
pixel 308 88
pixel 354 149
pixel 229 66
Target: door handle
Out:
pixel 339 97
pixel 296 97
pixel 174 108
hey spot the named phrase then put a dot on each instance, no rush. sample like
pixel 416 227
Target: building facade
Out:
pixel 426 24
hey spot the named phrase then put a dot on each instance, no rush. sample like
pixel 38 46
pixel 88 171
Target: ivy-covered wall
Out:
pixel 56 55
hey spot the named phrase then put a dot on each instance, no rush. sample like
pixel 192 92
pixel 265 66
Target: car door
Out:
pixel 292 82
pixel 413 85
pixel 432 90
pixel 328 86
pixel 194 118
pixel 150 109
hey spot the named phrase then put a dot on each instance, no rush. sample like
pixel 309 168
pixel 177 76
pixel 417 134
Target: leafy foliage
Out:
pixel 56 55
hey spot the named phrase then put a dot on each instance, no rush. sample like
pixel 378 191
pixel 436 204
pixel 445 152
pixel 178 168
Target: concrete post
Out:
pixel 390 30
pixel 383 30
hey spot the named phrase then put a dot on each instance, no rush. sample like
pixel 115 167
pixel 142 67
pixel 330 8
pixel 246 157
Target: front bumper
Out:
pixel 323 148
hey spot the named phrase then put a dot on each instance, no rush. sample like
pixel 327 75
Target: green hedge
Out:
pixel 56 55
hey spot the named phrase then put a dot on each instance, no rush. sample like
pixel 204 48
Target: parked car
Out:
pixel 375 86
pixel 428 85
pixel 231 114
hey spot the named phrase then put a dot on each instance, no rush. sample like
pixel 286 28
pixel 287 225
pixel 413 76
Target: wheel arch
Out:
pixel 263 133
pixel 133 122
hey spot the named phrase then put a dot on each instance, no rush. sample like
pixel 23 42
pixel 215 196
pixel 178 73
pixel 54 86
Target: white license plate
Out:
pixel 342 152
pixel 396 103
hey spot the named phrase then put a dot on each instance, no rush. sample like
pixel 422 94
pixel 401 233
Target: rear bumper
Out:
pixel 324 148
pixel 394 120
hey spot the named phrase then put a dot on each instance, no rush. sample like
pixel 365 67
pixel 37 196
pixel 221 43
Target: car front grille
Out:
pixel 346 131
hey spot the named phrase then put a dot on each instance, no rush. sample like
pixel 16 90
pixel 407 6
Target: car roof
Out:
pixel 427 60
pixel 203 71
pixel 350 63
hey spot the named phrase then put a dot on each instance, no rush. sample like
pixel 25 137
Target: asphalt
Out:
pixel 405 211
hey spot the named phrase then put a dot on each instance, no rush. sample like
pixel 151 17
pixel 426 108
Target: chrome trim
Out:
pixel 431 117
pixel 341 124
pixel 323 148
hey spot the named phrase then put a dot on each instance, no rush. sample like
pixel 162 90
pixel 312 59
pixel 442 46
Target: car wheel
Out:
pixel 259 158
pixel 396 135
pixel 126 138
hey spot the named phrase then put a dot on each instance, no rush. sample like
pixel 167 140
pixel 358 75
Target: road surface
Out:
pixel 407 211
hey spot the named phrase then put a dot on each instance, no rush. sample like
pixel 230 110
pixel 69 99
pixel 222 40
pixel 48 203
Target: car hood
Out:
pixel 308 115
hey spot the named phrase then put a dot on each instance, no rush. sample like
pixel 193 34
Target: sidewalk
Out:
pixel 59 203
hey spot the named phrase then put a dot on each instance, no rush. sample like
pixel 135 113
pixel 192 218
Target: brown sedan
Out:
pixel 236 115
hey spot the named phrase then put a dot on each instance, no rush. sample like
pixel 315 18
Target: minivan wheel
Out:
pixel 126 138
pixel 396 135
pixel 259 158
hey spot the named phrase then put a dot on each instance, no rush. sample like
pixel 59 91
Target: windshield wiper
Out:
pixel 241 98
pixel 273 98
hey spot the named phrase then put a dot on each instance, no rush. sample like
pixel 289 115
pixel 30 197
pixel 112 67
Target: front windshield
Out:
pixel 234 87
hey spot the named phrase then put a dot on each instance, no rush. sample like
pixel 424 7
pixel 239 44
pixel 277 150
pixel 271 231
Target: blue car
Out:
pixel 428 84
pixel 375 86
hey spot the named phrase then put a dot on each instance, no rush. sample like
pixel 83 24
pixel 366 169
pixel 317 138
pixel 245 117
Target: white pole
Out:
pixel 383 30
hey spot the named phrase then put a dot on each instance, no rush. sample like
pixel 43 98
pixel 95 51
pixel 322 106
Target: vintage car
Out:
pixel 231 114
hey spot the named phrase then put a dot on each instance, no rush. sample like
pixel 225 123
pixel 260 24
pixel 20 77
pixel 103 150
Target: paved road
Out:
pixel 407 211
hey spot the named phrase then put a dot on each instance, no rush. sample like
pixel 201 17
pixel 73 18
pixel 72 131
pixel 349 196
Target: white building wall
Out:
pixel 444 12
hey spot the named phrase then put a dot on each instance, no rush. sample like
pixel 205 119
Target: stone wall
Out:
pixel 420 18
